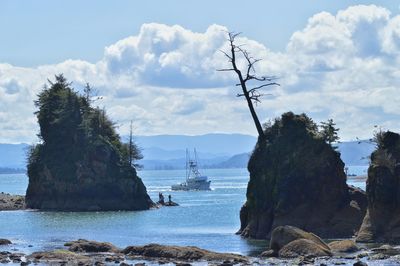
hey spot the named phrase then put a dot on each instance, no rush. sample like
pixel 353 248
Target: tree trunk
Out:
pixel 250 104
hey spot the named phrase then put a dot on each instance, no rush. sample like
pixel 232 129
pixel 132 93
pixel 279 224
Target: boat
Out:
pixel 194 180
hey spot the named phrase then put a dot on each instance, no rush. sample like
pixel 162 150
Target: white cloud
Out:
pixel 342 66
pixel 169 56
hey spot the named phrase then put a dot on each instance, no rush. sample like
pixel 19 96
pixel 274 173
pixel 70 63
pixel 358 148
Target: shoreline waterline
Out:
pixel 207 219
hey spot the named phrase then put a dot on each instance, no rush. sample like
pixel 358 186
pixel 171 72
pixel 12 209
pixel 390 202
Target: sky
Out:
pixel 154 62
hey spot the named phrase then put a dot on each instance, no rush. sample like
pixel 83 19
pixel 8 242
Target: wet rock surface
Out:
pixel 181 253
pixel 298 252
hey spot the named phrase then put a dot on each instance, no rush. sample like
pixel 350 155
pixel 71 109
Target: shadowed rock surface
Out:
pixel 83 245
pixel 181 253
pixel 382 220
pixel 4 241
pixel 81 163
pixel 298 179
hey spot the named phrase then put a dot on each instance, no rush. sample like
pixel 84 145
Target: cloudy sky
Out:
pixel 155 62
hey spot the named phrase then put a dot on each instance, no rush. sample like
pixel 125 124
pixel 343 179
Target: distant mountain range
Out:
pixel 13 155
pixel 211 144
pixel 168 151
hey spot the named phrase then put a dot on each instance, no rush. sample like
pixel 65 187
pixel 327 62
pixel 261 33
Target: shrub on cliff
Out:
pixel 297 178
pixel 80 157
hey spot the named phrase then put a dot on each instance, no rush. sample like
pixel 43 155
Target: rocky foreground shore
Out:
pixel 289 246
pixel 84 252
pixel 10 202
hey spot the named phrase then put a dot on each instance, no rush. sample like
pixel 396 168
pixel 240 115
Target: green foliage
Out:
pixel 72 131
pixel 294 153
pixel 329 132
pixel 378 138
pixel 384 158
pixel 387 151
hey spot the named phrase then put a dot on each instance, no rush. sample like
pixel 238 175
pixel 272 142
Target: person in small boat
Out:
pixel 160 198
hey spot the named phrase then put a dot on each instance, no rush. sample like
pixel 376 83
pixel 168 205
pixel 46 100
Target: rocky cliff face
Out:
pixel 297 179
pixel 382 220
pixel 81 164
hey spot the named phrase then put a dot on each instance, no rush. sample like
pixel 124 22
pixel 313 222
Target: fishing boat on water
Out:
pixel 194 180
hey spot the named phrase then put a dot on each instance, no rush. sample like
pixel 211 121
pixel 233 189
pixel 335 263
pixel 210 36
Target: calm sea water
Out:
pixel 207 219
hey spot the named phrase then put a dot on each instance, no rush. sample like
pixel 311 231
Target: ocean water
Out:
pixel 207 219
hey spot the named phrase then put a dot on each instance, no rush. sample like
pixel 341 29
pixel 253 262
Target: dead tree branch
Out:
pixel 251 95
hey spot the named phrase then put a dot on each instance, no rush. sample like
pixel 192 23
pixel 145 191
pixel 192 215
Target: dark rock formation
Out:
pixel 5 241
pixel 181 253
pixel 83 245
pixel 360 263
pixel 81 163
pixel 382 220
pixel 297 179
pixel 170 204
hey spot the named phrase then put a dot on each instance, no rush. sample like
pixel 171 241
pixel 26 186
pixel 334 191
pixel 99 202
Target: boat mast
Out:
pixel 187 160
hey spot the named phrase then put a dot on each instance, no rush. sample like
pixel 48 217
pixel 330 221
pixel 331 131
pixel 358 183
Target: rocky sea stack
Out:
pixel 382 220
pixel 297 179
pixel 81 163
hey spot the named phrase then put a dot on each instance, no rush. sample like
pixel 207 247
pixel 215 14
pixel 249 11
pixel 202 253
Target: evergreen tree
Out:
pixel 69 123
pixel 329 132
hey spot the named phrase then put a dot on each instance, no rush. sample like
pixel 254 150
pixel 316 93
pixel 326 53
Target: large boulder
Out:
pixel 81 163
pixel 290 241
pixel 4 241
pixel 303 247
pixel 182 253
pixel 87 246
pixel 297 179
pixel 382 220
pixel 283 235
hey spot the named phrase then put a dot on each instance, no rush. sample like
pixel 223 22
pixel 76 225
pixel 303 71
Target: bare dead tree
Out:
pixel 252 94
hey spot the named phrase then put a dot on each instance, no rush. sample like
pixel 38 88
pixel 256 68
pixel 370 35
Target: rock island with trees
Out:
pixel 80 163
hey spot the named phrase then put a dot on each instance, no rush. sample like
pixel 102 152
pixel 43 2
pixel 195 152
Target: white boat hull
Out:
pixel 194 180
pixel 195 185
